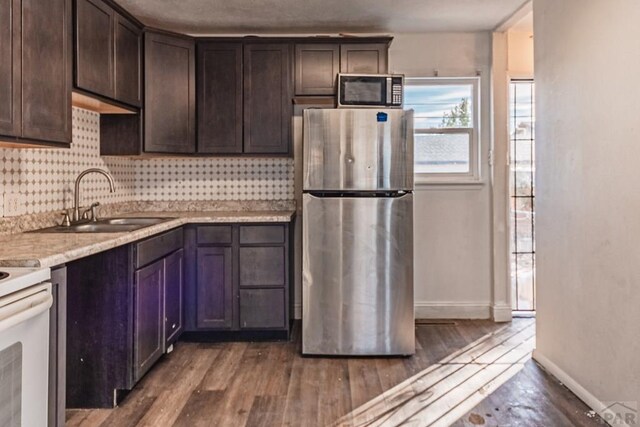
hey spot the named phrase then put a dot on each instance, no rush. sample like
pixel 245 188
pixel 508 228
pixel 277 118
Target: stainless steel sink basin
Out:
pixel 132 221
pixel 107 225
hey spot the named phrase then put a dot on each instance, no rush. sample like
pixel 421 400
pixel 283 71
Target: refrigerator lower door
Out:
pixel 357 296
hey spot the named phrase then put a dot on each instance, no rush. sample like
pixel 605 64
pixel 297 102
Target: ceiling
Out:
pixel 525 24
pixel 203 17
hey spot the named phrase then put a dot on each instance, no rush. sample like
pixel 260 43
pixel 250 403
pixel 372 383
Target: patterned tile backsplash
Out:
pixel 45 176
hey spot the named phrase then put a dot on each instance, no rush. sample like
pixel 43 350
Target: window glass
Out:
pixel 441 153
pixel 440 105
pixel 445 128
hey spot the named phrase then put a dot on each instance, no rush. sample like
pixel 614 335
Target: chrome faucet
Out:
pixel 76 194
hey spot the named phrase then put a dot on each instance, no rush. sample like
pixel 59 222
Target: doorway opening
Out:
pixel 522 194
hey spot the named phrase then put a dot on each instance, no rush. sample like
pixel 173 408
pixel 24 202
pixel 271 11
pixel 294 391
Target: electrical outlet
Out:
pixel 14 204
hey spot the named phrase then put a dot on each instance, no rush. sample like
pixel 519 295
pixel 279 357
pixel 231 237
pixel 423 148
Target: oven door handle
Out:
pixel 24 309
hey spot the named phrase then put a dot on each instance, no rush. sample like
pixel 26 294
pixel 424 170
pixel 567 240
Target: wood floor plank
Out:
pixel 334 395
pixel 87 418
pixel 222 372
pixel 248 382
pixel 267 411
pixel 279 365
pixel 169 404
pixel 364 381
pixel 201 409
pixel 131 411
pixel 302 395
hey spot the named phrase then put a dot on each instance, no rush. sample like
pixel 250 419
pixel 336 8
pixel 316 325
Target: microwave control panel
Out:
pixel 396 90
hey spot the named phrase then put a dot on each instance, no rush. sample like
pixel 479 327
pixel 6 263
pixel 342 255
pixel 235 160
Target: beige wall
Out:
pixel 588 199
pixel 453 273
pixel 520 53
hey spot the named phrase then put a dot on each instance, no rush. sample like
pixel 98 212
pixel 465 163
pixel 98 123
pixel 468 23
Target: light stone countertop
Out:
pixel 51 249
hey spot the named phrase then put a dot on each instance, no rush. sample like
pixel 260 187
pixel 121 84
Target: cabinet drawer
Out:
pixel 158 246
pixel 250 234
pixel 212 234
pixel 262 266
pixel 262 309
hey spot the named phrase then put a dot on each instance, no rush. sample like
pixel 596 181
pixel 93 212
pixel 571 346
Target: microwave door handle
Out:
pixel 389 87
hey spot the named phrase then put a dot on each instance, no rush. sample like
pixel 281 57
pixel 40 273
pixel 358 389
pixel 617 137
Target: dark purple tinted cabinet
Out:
pixel 173 296
pixel 149 319
pixel 125 307
pixel 215 288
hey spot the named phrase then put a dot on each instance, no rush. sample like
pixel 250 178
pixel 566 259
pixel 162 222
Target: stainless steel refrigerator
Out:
pixel 357 283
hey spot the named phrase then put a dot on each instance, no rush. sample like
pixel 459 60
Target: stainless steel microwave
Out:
pixel 370 90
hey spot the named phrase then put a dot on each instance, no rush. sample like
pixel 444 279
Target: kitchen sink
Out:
pixel 131 221
pixel 107 225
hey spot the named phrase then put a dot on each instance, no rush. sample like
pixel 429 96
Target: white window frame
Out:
pixel 473 176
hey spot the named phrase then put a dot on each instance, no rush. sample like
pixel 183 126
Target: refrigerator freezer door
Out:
pixel 358 150
pixel 357 296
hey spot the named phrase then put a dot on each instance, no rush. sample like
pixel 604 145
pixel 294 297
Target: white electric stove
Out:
pixel 25 300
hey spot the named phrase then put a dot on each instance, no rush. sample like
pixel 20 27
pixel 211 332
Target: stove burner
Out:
pixel 3 275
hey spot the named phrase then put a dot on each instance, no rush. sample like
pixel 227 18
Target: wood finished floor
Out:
pixel 271 384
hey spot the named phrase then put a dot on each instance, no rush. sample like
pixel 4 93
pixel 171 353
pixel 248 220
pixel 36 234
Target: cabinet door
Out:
pixel 262 266
pixel 363 58
pixel 219 98
pixel 317 66
pixel 214 288
pixel 148 317
pixel 94 47
pixel 267 98
pixel 10 72
pixel 169 114
pixel 128 54
pixel 173 296
pixel 46 70
pixel 262 309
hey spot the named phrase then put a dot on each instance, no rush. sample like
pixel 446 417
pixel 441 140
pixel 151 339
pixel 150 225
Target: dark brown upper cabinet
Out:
pixel 219 83
pixel 108 49
pixel 317 64
pixel 365 58
pixel 267 98
pixel 35 42
pixel 128 61
pixel 95 47
pixel 10 73
pixel 169 107
pixel 316 68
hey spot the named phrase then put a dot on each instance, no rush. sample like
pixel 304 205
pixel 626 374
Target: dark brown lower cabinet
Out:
pixel 215 288
pixel 173 296
pixel 124 309
pixel 149 319
pixel 240 281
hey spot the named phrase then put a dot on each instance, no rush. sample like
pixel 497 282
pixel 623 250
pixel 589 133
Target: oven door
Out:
pixel 24 356
pixel 362 90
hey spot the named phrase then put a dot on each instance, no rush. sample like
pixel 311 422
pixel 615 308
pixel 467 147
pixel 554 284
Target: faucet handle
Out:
pixel 66 220
pixel 94 212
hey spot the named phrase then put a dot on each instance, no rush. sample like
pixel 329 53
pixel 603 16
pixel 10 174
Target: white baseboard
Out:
pixel 583 394
pixel 501 313
pixel 452 310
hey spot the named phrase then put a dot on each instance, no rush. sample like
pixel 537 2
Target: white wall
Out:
pixel 588 195
pixel 453 264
